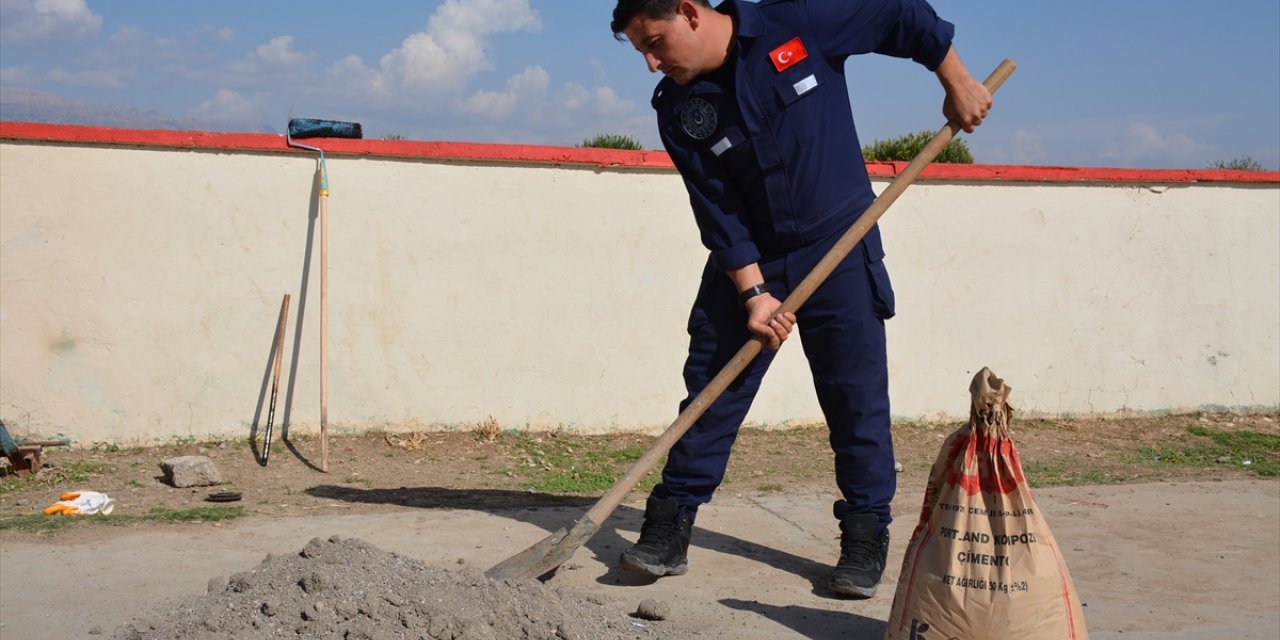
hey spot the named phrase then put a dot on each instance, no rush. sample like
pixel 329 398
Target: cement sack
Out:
pixel 982 563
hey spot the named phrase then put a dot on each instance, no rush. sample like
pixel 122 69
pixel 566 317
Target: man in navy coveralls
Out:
pixel 754 111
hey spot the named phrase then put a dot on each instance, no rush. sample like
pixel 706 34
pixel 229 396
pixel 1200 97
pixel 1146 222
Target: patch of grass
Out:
pixel 218 513
pixel 1068 473
pixel 1251 451
pixel 40 523
pixel 71 472
pixel 575 481
pixel 37 523
pixel 83 471
pixel 577 465
pixel 771 487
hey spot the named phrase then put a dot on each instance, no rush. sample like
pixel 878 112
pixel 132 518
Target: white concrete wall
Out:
pixel 139 290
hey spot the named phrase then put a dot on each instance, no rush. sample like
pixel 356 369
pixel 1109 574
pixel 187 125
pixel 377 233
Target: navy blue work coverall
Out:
pixel 769 154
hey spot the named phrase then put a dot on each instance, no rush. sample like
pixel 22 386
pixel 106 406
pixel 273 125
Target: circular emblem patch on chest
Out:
pixel 698 119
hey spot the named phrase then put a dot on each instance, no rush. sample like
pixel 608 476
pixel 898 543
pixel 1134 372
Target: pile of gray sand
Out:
pixel 349 589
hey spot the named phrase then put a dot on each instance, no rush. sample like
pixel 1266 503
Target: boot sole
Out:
pixel 656 570
pixel 857 592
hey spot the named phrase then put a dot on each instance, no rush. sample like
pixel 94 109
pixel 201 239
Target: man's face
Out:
pixel 671 45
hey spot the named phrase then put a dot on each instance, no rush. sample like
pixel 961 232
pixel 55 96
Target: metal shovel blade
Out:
pixel 544 556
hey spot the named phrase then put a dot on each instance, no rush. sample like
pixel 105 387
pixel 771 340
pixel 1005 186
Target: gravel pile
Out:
pixel 346 588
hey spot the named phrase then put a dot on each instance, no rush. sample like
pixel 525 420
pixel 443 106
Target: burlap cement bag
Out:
pixel 982 563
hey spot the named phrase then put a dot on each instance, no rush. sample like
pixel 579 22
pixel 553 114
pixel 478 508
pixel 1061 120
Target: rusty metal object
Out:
pixel 25 456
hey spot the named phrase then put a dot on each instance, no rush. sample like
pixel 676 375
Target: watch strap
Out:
pixel 752 292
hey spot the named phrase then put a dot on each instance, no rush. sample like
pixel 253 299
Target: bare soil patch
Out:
pixel 485 467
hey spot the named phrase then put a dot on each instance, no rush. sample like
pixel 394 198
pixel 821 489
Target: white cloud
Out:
pixel 135 43
pixel 578 113
pixel 436 83
pixel 226 106
pixel 34 22
pixel 276 55
pixel 127 55
pixel 527 89
pixel 97 79
pixel 1142 143
pixel 133 52
pixel 606 102
pixel 17 75
pixel 216 34
pixel 603 101
pixel 280 53
pixel 573 97
pixel 355 78
pixel 454 47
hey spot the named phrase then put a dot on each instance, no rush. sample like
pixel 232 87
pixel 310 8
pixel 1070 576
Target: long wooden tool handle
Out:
pixel 324 331
pixel 751 349
pixel 277 362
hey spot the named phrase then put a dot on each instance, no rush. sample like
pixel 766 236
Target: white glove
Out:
pixel 82 503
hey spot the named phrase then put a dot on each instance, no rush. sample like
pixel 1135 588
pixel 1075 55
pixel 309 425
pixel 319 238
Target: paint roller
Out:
pixel 313 128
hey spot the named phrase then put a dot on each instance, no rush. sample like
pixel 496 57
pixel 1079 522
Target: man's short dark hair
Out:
pixel 626 10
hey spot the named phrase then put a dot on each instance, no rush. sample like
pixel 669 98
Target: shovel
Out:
pixel 556 549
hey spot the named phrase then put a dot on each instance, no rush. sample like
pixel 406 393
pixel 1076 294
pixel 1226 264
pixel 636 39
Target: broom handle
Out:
pixel 278 361
pixel 610 501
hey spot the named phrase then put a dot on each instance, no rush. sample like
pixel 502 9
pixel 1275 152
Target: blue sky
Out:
pixel 1136 83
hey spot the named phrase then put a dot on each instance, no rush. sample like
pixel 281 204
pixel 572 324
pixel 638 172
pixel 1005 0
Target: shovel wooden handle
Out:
pixel 529 564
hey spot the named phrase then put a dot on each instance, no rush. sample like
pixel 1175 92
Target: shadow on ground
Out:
pixel 814 623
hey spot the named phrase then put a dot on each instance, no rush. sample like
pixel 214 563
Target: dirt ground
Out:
pixel 383 471
pixel 346 588
pixel 475 496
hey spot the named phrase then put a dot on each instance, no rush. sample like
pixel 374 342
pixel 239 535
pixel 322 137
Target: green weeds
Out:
pixel 573 464
pixel 40 523
pixel 1258 453
pixel 1065 472
pixel 70 473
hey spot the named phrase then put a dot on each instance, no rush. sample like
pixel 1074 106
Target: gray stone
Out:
pixel 653 610
pixel 190 471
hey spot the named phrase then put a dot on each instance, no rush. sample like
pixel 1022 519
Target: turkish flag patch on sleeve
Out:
pixel 787 55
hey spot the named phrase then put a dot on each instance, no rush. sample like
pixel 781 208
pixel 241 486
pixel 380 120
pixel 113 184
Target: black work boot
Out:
pixel 664 541
pixel 862 556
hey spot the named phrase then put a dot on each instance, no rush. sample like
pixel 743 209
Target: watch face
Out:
pixel 698 119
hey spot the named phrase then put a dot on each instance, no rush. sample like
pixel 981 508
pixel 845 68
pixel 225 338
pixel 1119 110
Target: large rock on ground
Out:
pixel 190 471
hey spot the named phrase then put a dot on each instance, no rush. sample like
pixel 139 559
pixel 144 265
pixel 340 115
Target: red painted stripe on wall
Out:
pixel 541 154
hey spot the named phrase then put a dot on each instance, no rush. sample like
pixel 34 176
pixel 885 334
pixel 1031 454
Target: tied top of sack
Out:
pixel 990 407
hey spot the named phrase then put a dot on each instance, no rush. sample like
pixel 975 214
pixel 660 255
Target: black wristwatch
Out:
pixel 743 297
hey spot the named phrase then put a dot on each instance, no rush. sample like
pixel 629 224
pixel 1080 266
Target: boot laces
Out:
pixel 659 534
pixel 860 553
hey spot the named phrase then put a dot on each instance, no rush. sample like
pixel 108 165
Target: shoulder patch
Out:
pixel 698 118
pixel 788 54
